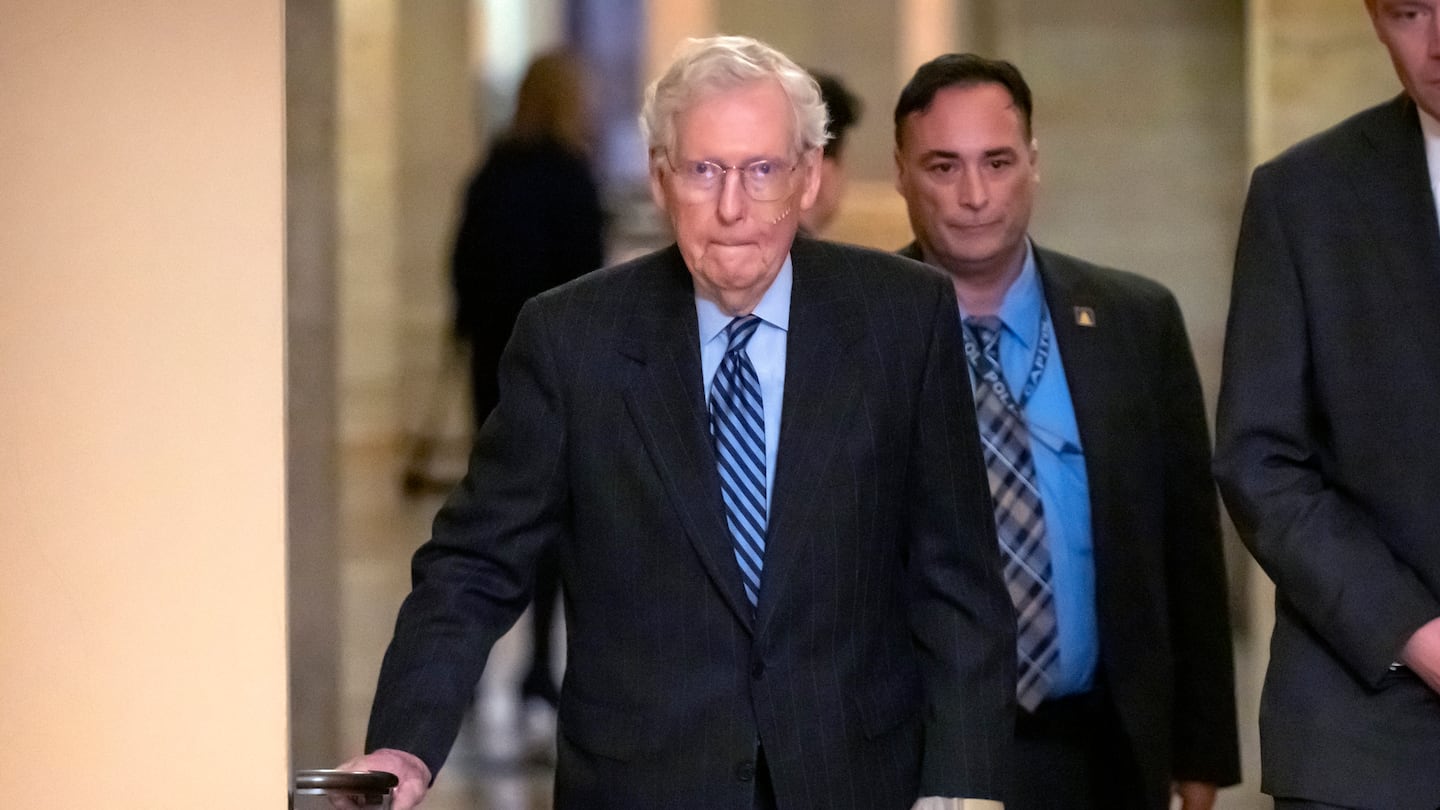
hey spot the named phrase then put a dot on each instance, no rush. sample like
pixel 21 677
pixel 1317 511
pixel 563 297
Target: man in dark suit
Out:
pixel 1327 452
pixel 783 588
pixel 1099 463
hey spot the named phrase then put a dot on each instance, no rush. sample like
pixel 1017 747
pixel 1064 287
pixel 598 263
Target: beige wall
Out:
pixel 141 387
pixel 1312 63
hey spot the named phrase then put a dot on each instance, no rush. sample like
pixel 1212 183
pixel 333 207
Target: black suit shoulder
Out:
pixel 648 268
pixel 1087 279
pixel 1310 168
pixel 1333 142
pixel 875 269
pixel 605 298
pixel 894 300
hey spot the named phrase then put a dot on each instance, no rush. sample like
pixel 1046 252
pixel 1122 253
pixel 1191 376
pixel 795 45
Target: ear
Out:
pixel 1035 159
pixel 899 172
pixel 810 163
pixel 657 183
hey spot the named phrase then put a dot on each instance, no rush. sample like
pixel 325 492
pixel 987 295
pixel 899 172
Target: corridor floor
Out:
pixel 502 758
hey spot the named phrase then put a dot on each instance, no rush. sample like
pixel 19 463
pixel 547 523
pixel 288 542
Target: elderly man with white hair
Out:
pixel 759 461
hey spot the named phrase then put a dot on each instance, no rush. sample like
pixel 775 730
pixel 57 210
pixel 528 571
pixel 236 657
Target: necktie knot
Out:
pixel 739 331
pixel 986 330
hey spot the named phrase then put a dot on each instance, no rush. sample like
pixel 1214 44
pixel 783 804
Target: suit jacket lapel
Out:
pixel 1095 379
pixel 667 401
pixel 1391 180
pixel 825 315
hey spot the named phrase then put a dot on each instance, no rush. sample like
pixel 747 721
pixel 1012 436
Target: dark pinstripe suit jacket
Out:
pixel 879 661
pixel 1159 571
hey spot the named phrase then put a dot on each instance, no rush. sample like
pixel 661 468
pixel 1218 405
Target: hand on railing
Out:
pixel 412 777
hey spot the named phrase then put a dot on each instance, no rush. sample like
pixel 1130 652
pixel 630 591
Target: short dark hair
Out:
pixel 962 70
pixel 843 107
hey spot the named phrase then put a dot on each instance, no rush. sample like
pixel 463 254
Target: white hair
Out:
pixel 703 67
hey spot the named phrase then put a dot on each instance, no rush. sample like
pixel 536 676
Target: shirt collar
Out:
pixel 1023 302
pixel 774 307
pixel 1431 128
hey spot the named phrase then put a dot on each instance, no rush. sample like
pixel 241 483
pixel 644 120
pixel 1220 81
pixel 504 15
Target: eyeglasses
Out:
pixel 764 180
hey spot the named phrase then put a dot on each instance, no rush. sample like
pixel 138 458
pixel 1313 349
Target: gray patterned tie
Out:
pixel 737 424
pixel 1019 515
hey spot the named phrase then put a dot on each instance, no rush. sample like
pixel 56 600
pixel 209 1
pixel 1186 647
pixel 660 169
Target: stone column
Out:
pixel 367 180
pixel 436 147
pixel 405 146
pixel 311 488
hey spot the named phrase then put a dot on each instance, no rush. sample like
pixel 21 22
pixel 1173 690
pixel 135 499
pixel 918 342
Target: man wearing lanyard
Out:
pixel 1093 427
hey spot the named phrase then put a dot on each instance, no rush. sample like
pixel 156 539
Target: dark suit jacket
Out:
pixel 879 662
pixel 1328 456
pixel 1165 653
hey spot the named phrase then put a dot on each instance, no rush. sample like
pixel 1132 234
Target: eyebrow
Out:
pixel 999 151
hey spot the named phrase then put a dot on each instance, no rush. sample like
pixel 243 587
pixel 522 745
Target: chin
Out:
pixel 734 277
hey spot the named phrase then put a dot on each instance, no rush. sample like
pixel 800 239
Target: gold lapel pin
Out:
pixel 1084 316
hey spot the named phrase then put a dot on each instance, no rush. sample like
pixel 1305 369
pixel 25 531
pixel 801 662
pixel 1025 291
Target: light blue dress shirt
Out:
pixel 1060 468
pixel 767 354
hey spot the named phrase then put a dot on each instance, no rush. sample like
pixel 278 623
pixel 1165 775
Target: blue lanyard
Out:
pixel 990 373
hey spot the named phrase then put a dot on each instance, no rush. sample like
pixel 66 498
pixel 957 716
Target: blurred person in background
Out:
pixel 532 221
pixel 844 109
pixel 1095 435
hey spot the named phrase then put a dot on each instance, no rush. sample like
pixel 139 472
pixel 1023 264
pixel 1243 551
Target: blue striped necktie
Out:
pixel 737 425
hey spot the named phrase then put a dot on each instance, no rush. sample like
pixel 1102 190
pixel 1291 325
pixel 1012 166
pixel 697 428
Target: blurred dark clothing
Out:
pixel 1074 755
pixel 532 221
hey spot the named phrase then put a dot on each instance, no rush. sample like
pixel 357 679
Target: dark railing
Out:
pixel 365 788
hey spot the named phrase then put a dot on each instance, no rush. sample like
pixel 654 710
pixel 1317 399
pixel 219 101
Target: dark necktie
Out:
pixel 737 424
pixel 1019 516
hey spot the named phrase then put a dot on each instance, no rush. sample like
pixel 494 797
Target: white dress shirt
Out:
pixel 1431 128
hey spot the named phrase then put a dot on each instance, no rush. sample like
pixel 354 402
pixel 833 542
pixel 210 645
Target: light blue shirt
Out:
pixel 767 354
pixel 1060 468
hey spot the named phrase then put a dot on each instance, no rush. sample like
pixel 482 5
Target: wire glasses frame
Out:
pixel 765 180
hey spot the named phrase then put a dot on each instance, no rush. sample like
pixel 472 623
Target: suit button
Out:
pixel 757 670
pixel 745 771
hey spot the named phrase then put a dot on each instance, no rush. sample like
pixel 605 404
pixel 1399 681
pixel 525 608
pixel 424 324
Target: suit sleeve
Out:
pixel 1325 555
pixel 472 580
pixel 962 617
pixel 1205 739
